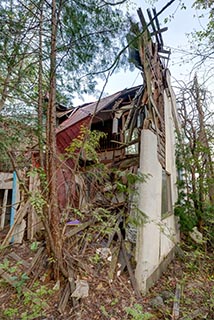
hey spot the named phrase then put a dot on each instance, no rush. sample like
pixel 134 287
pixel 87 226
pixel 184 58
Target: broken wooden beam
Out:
pixel 80 227
pixel 35 259
pixel 113 264
pixel 71 280
pixel 20 214
pixel 64 299
pixel 17 258
pixel 176 304
pixel 129 267
pixel 154 33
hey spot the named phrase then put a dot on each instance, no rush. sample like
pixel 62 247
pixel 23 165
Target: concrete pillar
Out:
pixel 148 235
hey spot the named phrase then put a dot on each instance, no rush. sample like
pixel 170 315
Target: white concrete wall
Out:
pixel 168 236
pixel 172 125
pixel 170 144
pixel 148 236
pixel 157 237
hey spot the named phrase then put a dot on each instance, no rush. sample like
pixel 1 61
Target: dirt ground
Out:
pixel 35 296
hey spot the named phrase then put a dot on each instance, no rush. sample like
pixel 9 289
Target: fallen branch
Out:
pixel 176 305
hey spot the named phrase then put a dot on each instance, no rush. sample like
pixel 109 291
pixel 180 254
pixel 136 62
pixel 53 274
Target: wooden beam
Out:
pixel 19 216
pixel 158 26
pixel 35 260
pixel 4 207
pixel 153 26
pixel 142 19
pixel 129 267
pixel 156 109
pixel 64 299
pixel 176 305
pixel 81 227
pixel 156 32
pixel 17 258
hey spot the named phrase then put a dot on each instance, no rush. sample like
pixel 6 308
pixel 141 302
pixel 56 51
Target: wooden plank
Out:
pixel 15 257
pixel 158 26
pixel 153 26
pixel 14 200
pixel 35 259
pixel 142 19
pixel 34 222
pixel 159 31
pixel 64 300
pixel 7 277
pixel 113 264
pixel 30 217
pixel 176 305
pixel 72 285
pixel 6 180
pixel 156 109
pixel 81 227
pixel 19 231
pixel 19 216
pixel 4 208
pixel 39 268
pixel 130 271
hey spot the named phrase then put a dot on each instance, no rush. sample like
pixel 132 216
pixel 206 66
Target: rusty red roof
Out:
pixel 70 128
pixel 83 112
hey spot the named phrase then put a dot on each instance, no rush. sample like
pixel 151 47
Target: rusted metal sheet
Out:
pixel 65 136
pixel 87 111
pixel 70 128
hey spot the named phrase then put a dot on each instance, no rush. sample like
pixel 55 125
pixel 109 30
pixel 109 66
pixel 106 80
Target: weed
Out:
pixel 34 302
pixel 114 302
pixel 104 312
pixel 34 246
pixel 137 312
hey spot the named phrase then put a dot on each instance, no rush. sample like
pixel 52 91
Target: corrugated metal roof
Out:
pixel 93 108
pixel 82 113
pixel 70 128
pixel 64 138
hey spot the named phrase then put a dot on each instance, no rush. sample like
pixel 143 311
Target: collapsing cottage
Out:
pixel 140 125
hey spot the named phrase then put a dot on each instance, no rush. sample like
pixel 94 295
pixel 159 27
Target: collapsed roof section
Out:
pixel 95 112
pixel 122 115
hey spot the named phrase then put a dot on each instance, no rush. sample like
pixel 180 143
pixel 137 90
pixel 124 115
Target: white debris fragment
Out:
pixel 105 253
pixel 196 235
pixel 82 288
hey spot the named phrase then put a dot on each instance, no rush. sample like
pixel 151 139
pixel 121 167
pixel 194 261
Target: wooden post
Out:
pixel 4 207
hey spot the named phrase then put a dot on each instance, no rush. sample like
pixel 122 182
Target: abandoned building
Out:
pixel 140 125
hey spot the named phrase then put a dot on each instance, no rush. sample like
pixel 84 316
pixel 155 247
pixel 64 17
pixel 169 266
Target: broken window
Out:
pixel 110 140
pixel 166 205
pixel 132 148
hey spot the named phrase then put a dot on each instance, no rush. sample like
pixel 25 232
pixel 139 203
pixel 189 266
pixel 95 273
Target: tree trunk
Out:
pixel 51 163
pixel 204 142
pixel 40 91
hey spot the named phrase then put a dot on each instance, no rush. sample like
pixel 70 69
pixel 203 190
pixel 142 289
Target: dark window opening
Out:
pixel 166 201
pixel 110 140
pixel 8 205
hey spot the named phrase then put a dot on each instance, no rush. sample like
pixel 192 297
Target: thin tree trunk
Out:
pixel 53 211
pixel 40 98
pixel 204 141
